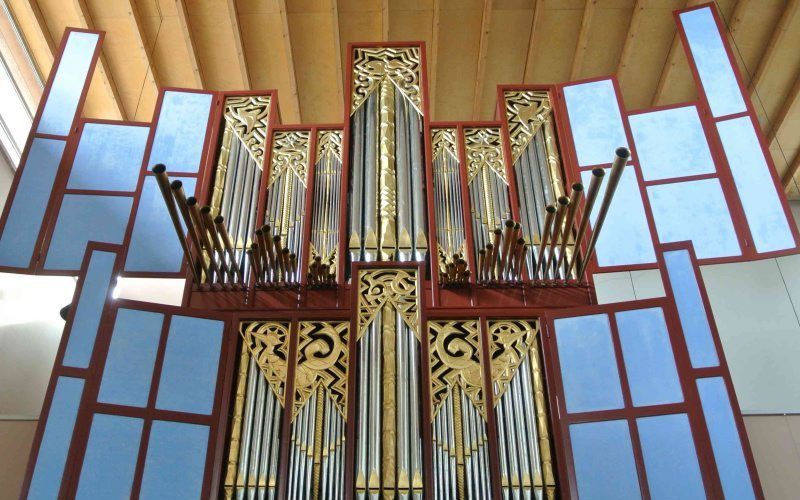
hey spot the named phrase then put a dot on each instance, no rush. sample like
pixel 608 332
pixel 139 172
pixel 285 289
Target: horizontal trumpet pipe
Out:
pixel 620 159
pixel 508 235
pixel 481 261
pixel 219 223
pixel 264 245
pixel 591 197
pixel 208 223
pixel 176 187
pixel 197 220
pixel 563 204
pixel 162 179
pixel 574 199
pixel 255 262
pixel 548 223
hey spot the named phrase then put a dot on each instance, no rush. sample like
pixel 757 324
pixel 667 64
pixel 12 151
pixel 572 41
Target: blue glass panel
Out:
pixel 670 458
pixel 18 241
pixel 71 76
pixel 691 311
pixel 725 443
pixel 625 238
pixel 131 358
pixel 684 151
pixel 154 247
pixel 588 364
pixel 111 456
pixel 696 211
pixel 85 218
pixel 109 157
pixel 189 372
pixel 57 436
pixel 603 456
pixel 595 121
pixel 751 174
pixel 649 361
pixel 181 131
pixel 717 76
pixel 89 309
pixel 175 461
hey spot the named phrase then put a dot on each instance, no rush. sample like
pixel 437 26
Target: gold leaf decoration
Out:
pixel 268 343
pixel 322 360
pixel 395 287
pixel 509 341
pixel 248 117
pixel 484 152
pixel 289 154
pixel 401 65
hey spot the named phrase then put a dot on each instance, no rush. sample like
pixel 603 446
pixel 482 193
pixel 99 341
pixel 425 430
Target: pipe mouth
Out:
pixel 550 208
pixel 623 153
pixel 482 251
pixel 160 168
pixel 259 232
pixel 175 184
pixel 254 246
pixel 563 200
pixel 497 231
pixel 205 210
pixel 516 226
pixel 489 246
pixel 276 239
pixel 219 219
pixel 191 201
pixel 577 186
pixel 265 228
pixel 598 172
pixel 521 241
pixel 509 223
pixel 285 250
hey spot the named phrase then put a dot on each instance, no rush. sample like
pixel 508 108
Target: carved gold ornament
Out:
pixel 395 287
pixel 526 111
pixel 322 361
pixel 444 141
pixel 509 341
pixel 268 343
pixel 401 65
pixel 455 360
pixel 289 154
pixel 329 144
pixel 484 152
pixel 248 117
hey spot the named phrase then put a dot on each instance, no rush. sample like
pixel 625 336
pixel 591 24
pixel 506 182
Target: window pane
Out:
pixel 696 211
pixel 175 461
pixel 189 372
pixel 85 218
pixel 751 174
pixel 90 307
pixel 154 247
pixel 725 443
pixel 131 358
pixel 684 151
pixel 49 468
pixel 649 361
pixel 71 76
pixel 109 157
pixel 670 458
pixel 181 131
pixel 110 457
pixel 717 76
pixel 625 238
pixel 691 311
pixel 604 465
pixel 21 230
pixel 588 364
pixel 595 121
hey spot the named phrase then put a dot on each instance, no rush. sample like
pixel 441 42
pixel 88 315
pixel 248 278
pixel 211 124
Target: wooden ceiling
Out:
pixel 298 47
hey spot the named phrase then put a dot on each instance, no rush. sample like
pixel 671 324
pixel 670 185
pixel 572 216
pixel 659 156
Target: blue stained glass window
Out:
pixel 604 464
pixel 649 361
pixel 595 120
pixel 588 363
pixel 175 461
pixel 109 157
pixel 110 459
pixel 181 131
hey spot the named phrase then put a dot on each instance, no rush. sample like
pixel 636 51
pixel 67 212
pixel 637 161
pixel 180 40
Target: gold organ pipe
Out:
pixel 548 224
pixel 591 196
pixel 574 199
pixel 387 182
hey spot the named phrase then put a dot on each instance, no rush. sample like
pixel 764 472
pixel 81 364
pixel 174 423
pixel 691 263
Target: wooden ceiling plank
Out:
pixel 737 17
pixel 241 59
pixel 337 42
pixel 141 42
pixel 583 39
pixel 672 59
pixel 102 64
pixel 630 37
pixel 385 19
pixel 290 67
pixel 532 39
pixel 434 51
pixel 783 113
pixel 42 32
pixel 774 42
pixel 788 176
pixel 188 38
pixel 483 48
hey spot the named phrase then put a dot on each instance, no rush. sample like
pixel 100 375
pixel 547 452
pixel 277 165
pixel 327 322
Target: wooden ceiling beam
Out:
pixel 42 32
pixel 188 38
pixel 483 48
pixel 337 47
pixel 630 37
pixel 241 59
pixel 538 7
pixel 774 42
pixel 141 42
pixel 788 176
pixel 290 68
pixel 385 19
pixel 106 77
pixel 737 16
pixel 788 103
pixel 583 39
pixel 434 51
pixel 671 61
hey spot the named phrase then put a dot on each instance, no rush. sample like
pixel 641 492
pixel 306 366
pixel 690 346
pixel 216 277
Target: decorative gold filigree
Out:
pixel 455 360
pixel 401 65
pixel 443 141
pixel 484 152
pixel 329 144
pixel 322 360
pixel 248 117
pixel 509 341
pixel 526 112
pixel 397 287
pixel 268 343
pixel 289 153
